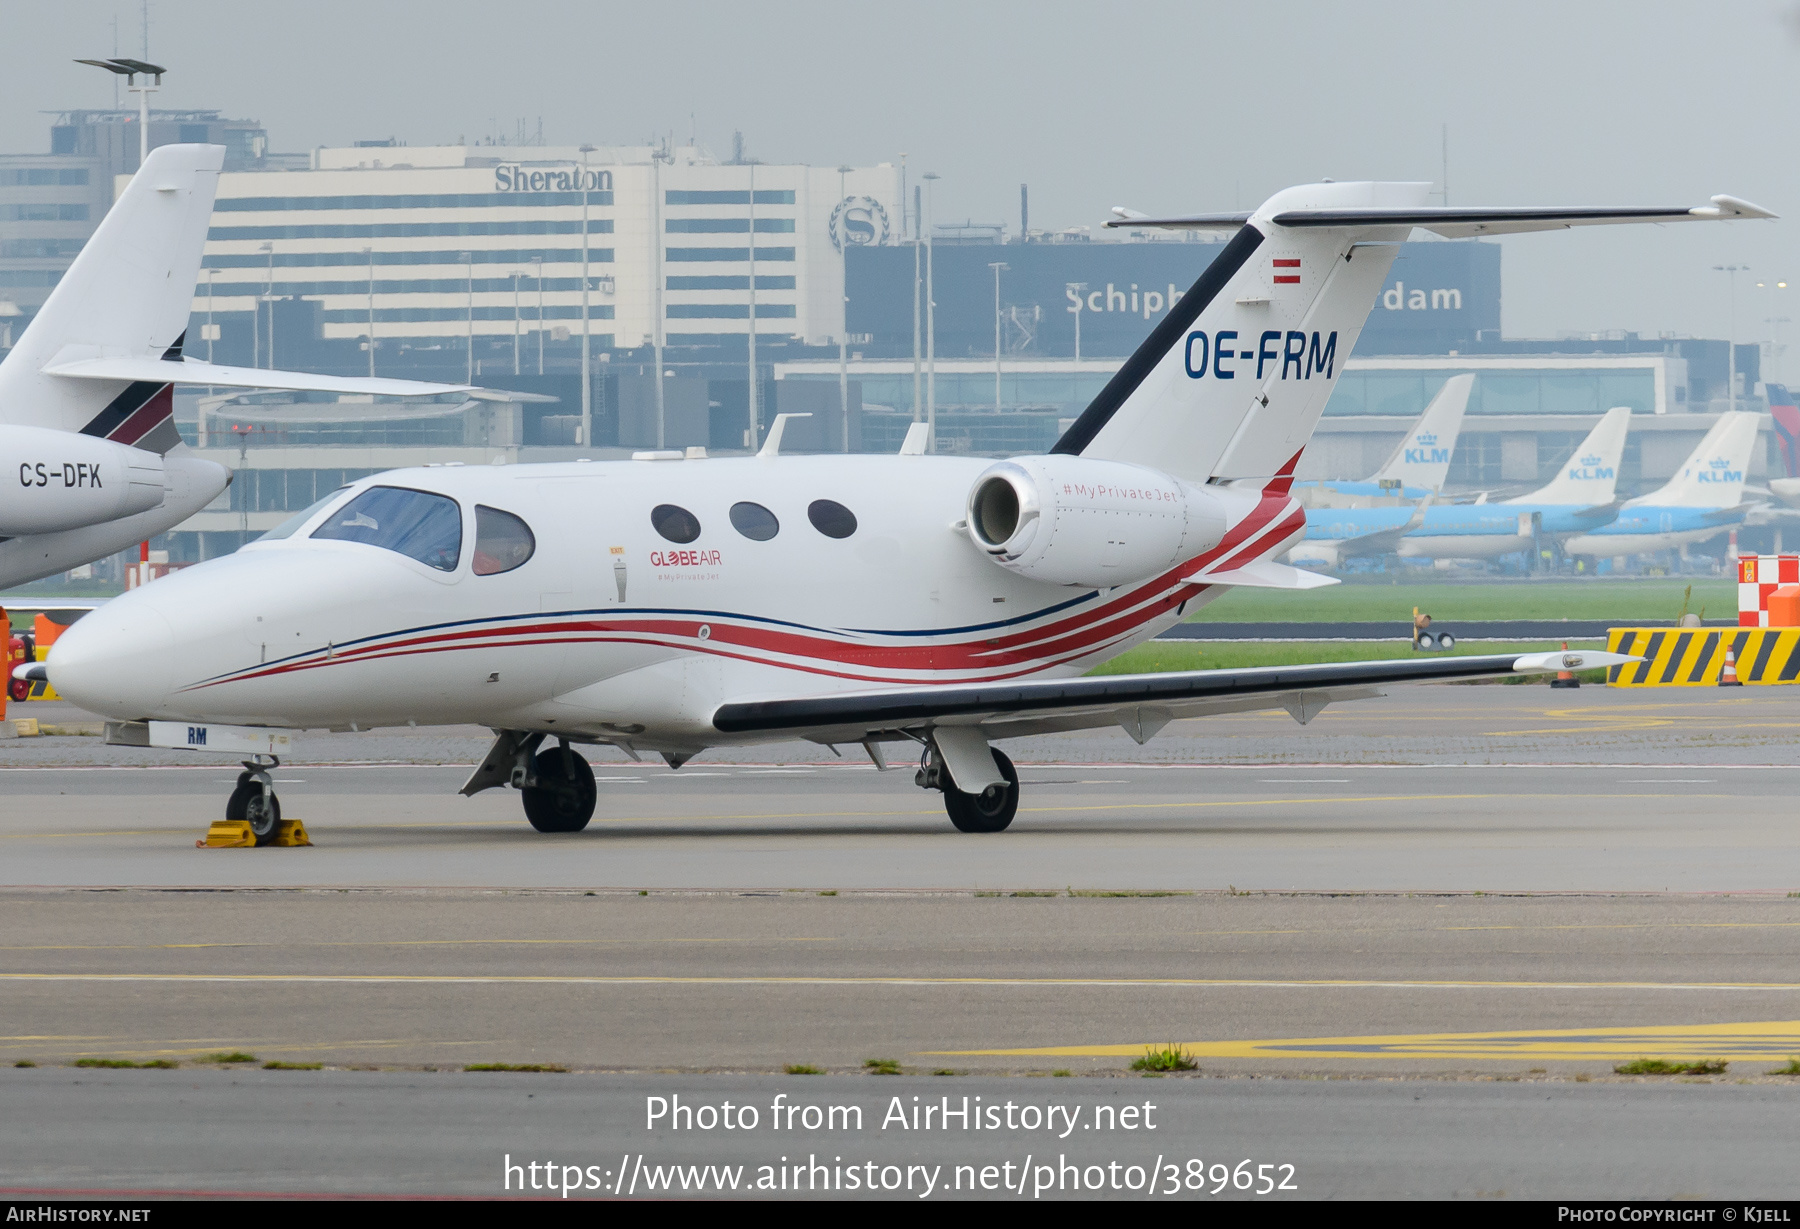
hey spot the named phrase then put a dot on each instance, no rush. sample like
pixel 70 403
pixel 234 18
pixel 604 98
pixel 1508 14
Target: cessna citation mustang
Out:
pixel 90 460
pixel 669 605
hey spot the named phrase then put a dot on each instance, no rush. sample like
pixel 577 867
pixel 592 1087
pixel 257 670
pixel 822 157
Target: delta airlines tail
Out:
pixel 1591 474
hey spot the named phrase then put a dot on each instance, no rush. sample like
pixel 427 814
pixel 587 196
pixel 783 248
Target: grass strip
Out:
pixel 514 1067
pixel 1662 1066
pixel 1168 1058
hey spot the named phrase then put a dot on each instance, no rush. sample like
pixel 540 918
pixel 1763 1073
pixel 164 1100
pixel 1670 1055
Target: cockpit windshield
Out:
pixel 417 524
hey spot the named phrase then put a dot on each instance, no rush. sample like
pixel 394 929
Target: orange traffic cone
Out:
pixel 1728 676
pixel 1563 677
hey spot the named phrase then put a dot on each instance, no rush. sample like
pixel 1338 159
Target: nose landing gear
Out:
pixel 254 801
pixel 559 793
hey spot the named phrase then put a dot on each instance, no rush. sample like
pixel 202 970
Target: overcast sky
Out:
pixel 1160 106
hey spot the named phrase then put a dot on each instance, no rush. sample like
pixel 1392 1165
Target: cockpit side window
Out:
pixel 418 524
pixel 502 541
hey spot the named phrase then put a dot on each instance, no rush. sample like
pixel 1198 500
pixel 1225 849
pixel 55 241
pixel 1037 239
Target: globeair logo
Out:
pixel 1589 469
pixel 1427 452
pixel 1718 470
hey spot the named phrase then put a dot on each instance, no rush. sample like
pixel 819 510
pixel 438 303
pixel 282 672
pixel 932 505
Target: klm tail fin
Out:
pixel 1590 476
pixel 127 294
pixel 1422 459
pixel 1713 474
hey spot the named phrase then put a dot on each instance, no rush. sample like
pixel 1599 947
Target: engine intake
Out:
pixel 1094 524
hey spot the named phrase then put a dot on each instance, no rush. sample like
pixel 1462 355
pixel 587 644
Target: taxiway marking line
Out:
pixel 169 947
pixel 1762 1039
pixel 458 979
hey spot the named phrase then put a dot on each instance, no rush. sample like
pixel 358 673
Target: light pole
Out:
pixel 656 267
pixel 1731 272
pixel 755 434
pixel 517 318
pixel 1772 322
pixel 269 298
pixel 468 263
pixel 211 329
pixel 537 272
pixel 930 177
pixel 587 374
pixel 370 253
pixel 1080 289
pixel 997 266
pixel 131 70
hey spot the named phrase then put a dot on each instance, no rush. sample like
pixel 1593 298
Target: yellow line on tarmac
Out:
pixel 1762 1039
pixel 168 947
pixel 459 979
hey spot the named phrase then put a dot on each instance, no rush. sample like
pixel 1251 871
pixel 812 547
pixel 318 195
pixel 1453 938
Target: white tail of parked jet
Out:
pixel 1713 474
pixel 1422 459
pixel 1590 476
pixel 1231 383
pixel 101 356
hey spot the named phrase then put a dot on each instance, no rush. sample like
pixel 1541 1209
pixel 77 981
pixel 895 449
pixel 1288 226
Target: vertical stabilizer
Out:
pixel 128 294
pixel 1232 382
pixel 1422 459
pixel 1713 474
pixel 1590 476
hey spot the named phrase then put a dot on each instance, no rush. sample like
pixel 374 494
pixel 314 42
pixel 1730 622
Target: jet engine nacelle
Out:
pixel 51 481
pixel 1077 521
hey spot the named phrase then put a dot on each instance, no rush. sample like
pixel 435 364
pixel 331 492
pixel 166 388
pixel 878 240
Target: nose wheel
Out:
pixel 254 801
pixel 561 794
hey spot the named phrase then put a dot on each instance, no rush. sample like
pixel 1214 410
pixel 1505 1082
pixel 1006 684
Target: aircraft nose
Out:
pixel 116 660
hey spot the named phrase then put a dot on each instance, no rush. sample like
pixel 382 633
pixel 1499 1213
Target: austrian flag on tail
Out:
pixel 1287 270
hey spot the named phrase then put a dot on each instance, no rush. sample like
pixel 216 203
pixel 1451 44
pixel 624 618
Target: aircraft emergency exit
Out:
pixel 90 458
pixel 916 604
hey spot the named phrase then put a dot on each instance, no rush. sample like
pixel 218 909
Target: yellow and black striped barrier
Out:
pixel 1694 656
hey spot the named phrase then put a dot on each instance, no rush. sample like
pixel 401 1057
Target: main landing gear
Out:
pixel 254 801
pixel 989 810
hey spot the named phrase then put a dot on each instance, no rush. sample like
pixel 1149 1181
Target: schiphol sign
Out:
pixel 511 177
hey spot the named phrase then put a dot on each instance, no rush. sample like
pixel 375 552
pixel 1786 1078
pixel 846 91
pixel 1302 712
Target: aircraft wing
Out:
pixel 189 371
pixel 1383 541
pixel 1141 703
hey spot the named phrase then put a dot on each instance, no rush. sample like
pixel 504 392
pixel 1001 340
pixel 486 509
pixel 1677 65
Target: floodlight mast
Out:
pixel 131 70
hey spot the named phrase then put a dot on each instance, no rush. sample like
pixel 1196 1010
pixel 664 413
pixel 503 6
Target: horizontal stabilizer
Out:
pixel 1269 575
pixel 150 369
pixel 1457 223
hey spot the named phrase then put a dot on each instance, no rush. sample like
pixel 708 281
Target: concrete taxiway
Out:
pixel 345 1133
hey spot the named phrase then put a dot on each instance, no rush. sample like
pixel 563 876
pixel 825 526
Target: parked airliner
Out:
pixel 1579 498
pixel 1701 501
pixel 1418 465
pixel 90 459
pixel 928 604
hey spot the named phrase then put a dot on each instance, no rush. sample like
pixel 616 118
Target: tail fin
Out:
pixel 128 294
pixel 1232 381
pixel 1785 410
pixel 1423 457
pixel 1591 475
pixel 1713 474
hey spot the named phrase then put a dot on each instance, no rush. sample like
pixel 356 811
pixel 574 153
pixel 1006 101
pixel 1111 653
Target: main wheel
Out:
pixel 992 809
pixel 563 799
pixel 261 811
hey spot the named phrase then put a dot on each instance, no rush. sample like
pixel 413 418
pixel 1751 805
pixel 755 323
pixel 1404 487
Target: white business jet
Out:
pixel 668 605
pixel 90 460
